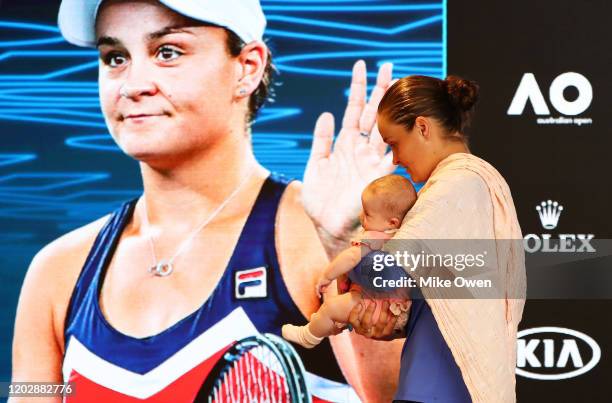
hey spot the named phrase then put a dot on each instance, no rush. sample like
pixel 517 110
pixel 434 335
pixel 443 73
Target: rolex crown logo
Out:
pixel 549 212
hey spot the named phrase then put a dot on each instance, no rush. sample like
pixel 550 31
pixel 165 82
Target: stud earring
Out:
pixel 242 91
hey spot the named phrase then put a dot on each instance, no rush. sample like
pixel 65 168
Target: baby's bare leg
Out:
pixel 322 322
pixel 335 309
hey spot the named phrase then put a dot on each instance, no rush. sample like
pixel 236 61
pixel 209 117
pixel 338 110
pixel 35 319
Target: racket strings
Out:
pixel 253 377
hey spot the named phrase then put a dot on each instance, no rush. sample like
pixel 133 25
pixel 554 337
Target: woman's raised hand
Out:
pixel 337 173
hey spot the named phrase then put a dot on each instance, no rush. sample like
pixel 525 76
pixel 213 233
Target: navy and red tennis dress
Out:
pixel 108 366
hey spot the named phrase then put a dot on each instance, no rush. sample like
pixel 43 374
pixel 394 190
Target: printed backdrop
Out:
pixel 542 122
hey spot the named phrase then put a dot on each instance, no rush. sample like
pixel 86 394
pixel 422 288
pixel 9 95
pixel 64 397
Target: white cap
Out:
pixel 77 18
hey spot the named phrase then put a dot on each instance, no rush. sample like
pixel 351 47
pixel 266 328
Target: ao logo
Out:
pixel 552 353
pixel 529 90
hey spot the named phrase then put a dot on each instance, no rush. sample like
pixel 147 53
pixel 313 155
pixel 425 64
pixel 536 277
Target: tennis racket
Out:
pixel 260 368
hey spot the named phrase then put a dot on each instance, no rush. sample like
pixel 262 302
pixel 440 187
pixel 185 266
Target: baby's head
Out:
pixel 385 202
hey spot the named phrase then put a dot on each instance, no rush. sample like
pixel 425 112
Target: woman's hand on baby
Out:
pixel 334 180
pixel 361 320
pixel 322 285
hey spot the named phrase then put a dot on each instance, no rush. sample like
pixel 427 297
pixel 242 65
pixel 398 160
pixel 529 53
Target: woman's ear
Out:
pixel 252 62
pixel 423 127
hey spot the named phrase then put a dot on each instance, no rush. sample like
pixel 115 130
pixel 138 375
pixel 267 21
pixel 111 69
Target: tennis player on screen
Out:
pixel 140 303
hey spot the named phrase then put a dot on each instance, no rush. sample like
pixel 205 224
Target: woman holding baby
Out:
pixel 457 350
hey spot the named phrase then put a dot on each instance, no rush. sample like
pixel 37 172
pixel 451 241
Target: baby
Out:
pixel 385 202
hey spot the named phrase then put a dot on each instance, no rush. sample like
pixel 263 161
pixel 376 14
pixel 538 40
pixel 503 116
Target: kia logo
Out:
pixel 555 353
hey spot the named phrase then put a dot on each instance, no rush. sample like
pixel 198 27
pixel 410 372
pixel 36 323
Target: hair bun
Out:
pixel 462 93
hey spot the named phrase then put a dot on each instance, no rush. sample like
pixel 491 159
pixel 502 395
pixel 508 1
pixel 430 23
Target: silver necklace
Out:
pixel 164 268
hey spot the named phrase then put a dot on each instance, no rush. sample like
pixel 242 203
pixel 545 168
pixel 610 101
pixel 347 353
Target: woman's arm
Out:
pixel 37 355
pixel 38 341
pixel 455 209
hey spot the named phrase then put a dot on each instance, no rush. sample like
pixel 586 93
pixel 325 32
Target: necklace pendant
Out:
pixel 162 269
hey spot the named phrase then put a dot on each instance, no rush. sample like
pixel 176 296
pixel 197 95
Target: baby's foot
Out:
pixel 300 335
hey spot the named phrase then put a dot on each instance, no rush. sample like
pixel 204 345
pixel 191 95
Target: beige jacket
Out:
pixel 466 198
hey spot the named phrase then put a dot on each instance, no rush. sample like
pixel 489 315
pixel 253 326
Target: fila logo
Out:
pixel 251 283
pixel 549 213
pixel 555 353
pixel 529 90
